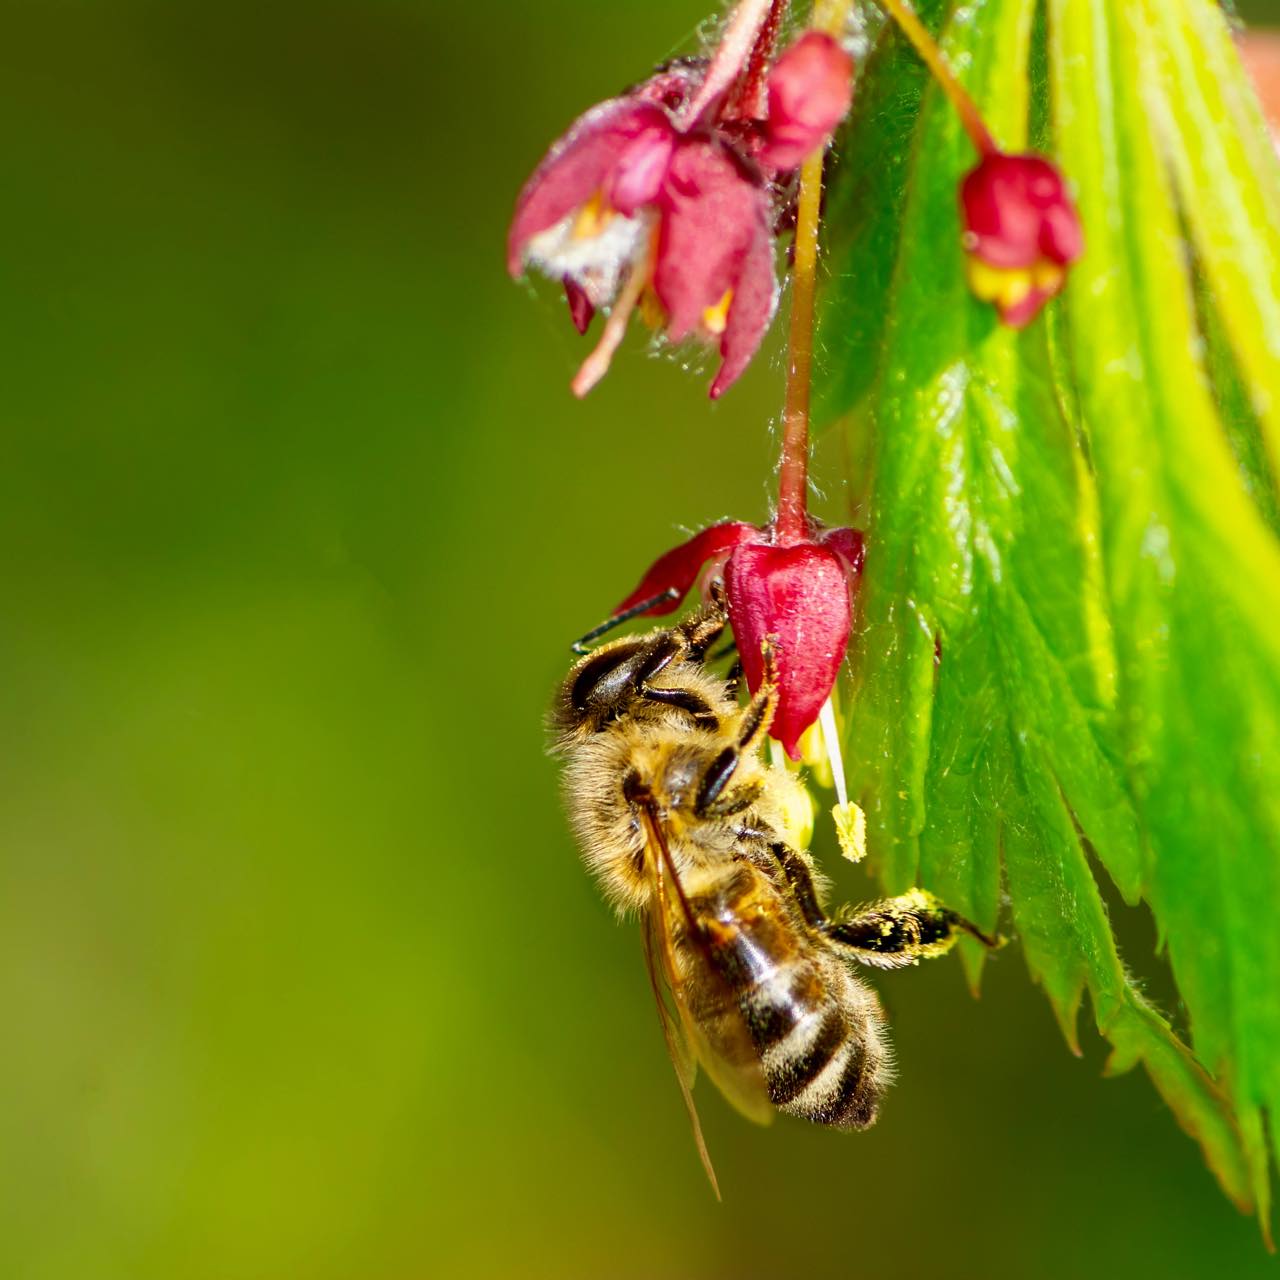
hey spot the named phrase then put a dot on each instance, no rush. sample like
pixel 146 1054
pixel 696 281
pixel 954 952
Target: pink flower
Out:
pixel 628 210
pixel 795 593
pixel 1021 232
pixel 809 91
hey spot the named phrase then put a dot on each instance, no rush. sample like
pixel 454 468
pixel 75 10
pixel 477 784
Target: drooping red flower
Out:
pixel 795 593
pixel 629 210
pixel 1021 232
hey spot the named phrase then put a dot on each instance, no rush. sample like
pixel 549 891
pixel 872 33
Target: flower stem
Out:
pixel 927 47
pixel 747 102
pixel 792 521
pixel 736 43
pixel 793 472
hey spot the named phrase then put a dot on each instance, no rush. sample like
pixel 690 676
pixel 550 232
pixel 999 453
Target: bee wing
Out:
pixel 722 1045
pixel 677 1046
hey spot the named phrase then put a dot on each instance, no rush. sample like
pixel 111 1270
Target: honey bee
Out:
pixel 682 822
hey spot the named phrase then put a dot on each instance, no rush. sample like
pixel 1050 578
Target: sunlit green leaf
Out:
pixel 1066 649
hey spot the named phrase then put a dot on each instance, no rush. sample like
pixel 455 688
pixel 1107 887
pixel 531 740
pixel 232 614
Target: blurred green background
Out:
pixel 299 973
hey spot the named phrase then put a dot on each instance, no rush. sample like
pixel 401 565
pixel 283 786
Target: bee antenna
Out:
pixel 668 596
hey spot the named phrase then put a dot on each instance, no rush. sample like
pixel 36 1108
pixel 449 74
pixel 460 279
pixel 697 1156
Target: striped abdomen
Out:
pixel 817 1030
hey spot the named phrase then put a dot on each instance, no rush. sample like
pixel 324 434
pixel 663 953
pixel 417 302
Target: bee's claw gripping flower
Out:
pixel 793 597
pixel 1021 232
pixel 810 89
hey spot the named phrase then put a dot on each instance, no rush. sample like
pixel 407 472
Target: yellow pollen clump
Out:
pixel 592 217
pixel 851 830
pixel 715 318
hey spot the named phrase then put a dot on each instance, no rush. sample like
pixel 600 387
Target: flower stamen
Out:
pixel 596 365
pixel 831 744
pixel 716 319
pixel 592 218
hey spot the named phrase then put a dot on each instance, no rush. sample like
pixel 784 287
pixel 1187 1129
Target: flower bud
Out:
pixel 809 92
pixel 1021 232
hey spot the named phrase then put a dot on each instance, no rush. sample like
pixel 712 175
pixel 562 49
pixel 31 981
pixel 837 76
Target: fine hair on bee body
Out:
pixel 683 822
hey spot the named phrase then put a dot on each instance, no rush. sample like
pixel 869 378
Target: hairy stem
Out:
pixel 792 521
pixel 793 472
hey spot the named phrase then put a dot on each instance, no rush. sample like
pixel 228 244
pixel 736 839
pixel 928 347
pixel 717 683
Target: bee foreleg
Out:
pixel 702 630
pixel 752 725
pixel 733 801
pixel 689 641
pixel 900 931
pixel 757 715
pixel 687 700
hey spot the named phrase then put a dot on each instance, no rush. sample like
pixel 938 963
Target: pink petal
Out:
pixel 755 297
pixel 798 596
pixel 576 167
pixel 849 545
pixel 712 217
pixel 678 569
pixel 1061 237
pixel 810 89
pixel 637 178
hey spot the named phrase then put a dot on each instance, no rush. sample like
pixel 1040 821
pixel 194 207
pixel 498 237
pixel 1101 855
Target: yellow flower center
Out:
pixel 592 217
pixel 1008 286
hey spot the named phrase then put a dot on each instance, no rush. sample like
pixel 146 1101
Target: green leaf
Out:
pixel 867 171
pixel 1066 650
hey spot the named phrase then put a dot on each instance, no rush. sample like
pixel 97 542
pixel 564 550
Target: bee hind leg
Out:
pixel 900 931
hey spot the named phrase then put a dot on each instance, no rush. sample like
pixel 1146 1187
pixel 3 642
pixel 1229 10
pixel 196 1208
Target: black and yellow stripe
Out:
pixel 807 1016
